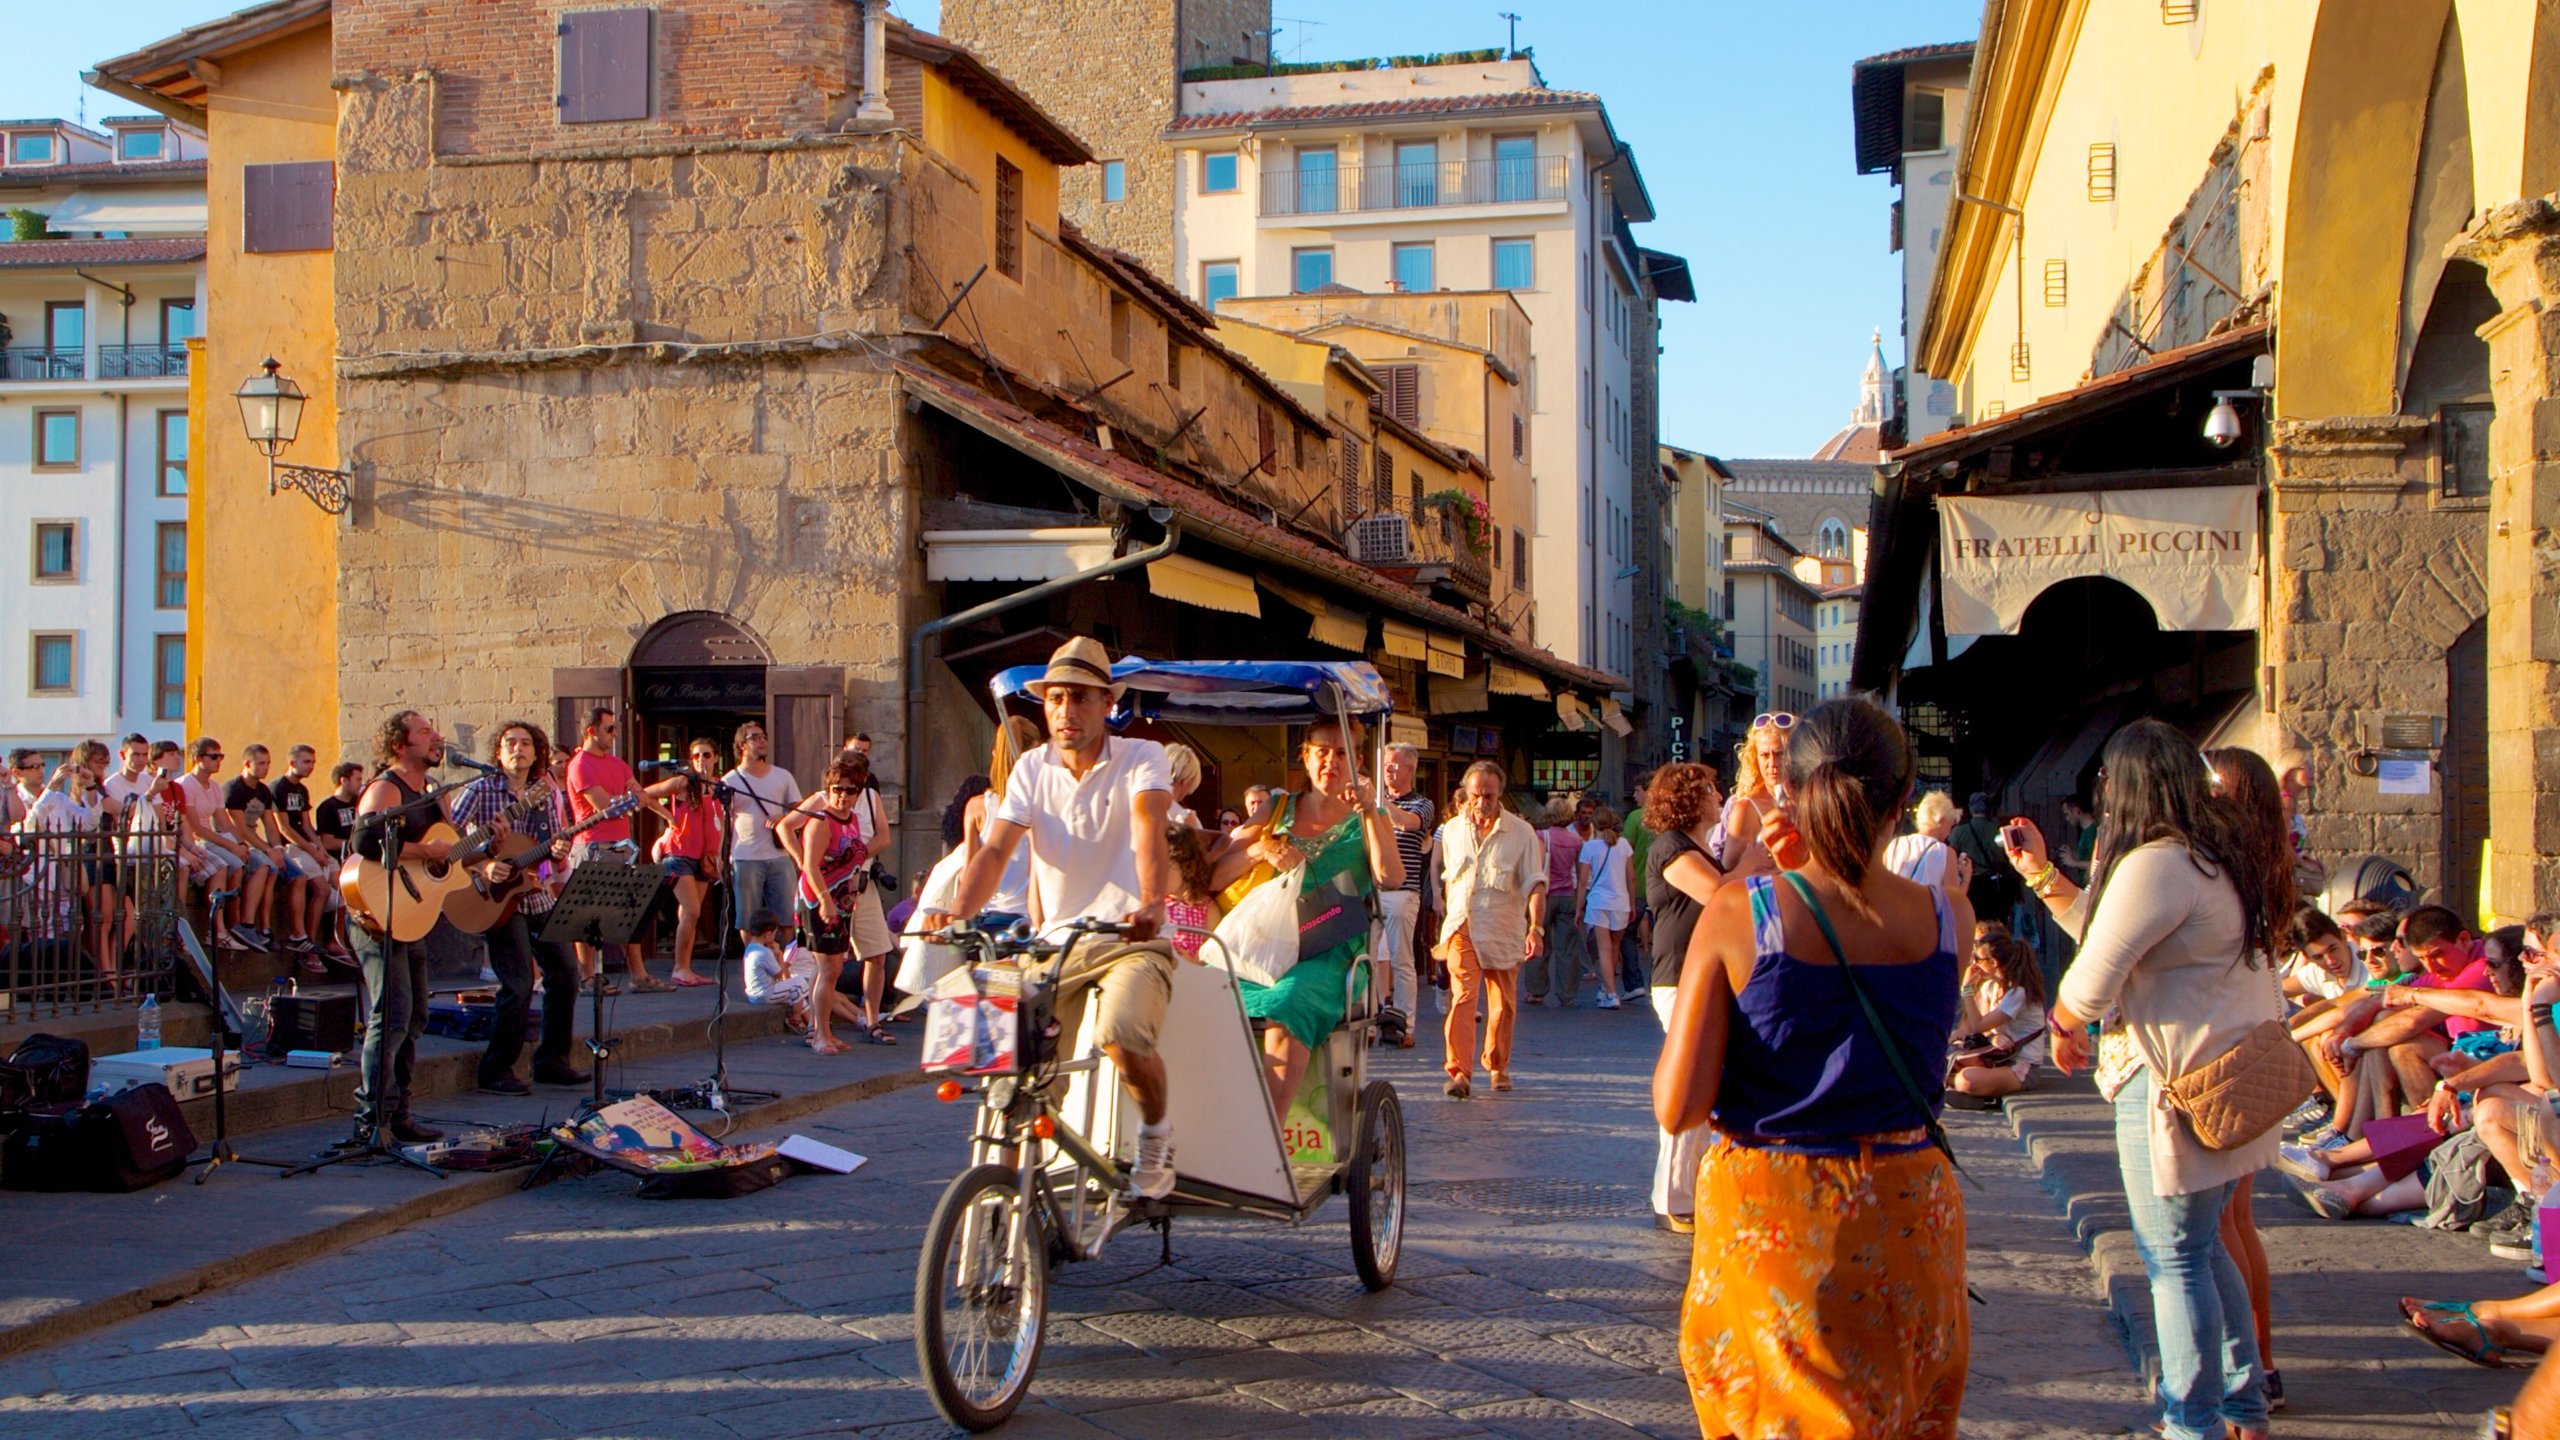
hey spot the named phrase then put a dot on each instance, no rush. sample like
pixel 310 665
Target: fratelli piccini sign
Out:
pixel 2192 553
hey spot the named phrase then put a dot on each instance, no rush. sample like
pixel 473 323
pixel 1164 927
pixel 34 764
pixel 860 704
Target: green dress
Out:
pixel 1308 1000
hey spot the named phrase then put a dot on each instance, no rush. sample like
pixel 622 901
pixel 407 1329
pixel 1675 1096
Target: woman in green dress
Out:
pixel 1337 830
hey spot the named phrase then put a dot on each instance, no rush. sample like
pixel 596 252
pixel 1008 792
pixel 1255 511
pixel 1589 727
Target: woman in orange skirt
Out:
pixel 1826 1292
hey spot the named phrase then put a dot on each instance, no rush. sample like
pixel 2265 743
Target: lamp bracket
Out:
pixel 325 488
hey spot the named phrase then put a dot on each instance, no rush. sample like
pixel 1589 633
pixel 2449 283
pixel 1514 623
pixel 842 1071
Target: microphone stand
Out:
pixel 366 1143
pixel 716 1090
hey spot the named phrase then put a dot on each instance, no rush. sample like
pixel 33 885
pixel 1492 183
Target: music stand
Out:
pixel 603 904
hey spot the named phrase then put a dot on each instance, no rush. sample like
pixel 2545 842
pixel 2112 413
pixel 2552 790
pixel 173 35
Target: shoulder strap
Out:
pixel 1875 1022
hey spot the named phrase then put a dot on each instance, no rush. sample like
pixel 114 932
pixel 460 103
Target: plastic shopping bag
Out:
pixel 1258 939
pixel 923 963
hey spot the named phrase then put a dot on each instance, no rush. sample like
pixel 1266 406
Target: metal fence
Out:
pixel 142 362
pixel 87 921
pixel 1328 189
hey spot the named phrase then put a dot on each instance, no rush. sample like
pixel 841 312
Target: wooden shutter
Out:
pixel 804 716
pixel 1348 481
pixel 577 689
pixel 1403 397
pixel 1386 479
pixel 287 207
pixel 606 63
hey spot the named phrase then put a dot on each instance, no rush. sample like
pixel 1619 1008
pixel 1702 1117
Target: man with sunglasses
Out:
pixel 760 794
pixel 598 777
pixel 201 812
pixel 2381 1051
pixel 26 787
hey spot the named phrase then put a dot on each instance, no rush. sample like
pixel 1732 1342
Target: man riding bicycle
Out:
pixel 1094 807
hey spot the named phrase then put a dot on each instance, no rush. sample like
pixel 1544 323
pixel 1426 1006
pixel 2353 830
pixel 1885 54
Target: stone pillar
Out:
pixel 875 45
pixel 2519 245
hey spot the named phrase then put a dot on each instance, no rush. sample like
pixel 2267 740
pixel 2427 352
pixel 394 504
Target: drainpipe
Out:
pixel 1042 591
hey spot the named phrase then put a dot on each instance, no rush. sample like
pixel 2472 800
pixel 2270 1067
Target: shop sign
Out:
pixel 2192 553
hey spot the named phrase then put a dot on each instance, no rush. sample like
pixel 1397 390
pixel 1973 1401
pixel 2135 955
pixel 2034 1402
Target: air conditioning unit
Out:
pixel 1382 540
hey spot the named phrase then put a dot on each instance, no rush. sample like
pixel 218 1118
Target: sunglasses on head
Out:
pixel 1775 719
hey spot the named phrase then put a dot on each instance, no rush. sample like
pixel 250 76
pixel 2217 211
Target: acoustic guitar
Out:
pixel 426 888
pixel 480 906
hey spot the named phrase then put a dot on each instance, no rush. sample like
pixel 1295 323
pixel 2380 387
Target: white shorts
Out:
pixel 1599 919
pixel 301 865
pixel 787 992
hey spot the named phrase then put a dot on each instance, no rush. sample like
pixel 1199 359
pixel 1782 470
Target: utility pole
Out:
pixel 1514 47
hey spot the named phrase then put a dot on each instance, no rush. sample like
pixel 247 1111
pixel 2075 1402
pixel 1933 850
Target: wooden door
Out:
pixel 577 689
pixel 2466 767
pixel 804 717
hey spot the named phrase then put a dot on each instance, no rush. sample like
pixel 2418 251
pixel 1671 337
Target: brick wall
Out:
pixel 723 68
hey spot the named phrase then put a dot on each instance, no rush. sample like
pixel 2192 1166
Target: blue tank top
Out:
pixel 1802 1064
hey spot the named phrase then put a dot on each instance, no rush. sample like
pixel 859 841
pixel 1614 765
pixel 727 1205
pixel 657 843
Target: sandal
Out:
pixel 827 1047
pixel 647 986
pixel 690 982
pixel 2483 1352
pixel 880 1035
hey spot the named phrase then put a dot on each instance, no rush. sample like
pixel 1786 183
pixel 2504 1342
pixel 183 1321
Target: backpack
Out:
pixel 43 1070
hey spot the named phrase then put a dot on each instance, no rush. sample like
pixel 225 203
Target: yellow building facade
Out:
pixel 2152 198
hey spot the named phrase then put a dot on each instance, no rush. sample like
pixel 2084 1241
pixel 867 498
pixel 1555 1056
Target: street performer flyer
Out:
pixel 642 1135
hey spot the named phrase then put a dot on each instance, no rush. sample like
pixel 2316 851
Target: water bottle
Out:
pixel 147 1024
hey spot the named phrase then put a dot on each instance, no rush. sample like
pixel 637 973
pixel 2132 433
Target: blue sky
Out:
pixel 1738 111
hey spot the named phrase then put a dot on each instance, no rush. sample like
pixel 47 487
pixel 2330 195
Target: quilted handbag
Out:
pixel 2242 1094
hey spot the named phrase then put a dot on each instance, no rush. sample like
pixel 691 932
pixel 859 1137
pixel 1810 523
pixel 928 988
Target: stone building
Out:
pixel 763 384
pixel 2327 231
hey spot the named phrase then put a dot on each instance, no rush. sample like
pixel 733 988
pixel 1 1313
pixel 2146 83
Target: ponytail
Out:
pixel 1837 821
pixel 1848 768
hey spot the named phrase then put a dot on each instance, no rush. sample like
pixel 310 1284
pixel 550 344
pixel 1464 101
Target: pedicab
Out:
pixel 1047 1183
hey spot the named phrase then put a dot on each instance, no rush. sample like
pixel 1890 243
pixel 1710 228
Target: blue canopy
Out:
pixel 1232 692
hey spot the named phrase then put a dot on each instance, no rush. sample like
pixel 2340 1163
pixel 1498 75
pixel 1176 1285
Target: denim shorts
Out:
pixel 681 867
pixel 763 885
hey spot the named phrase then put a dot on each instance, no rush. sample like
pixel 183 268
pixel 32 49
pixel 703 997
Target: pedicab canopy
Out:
pixel 1231 692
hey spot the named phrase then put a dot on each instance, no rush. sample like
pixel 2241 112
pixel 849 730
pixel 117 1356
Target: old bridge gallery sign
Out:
pixel 2192 553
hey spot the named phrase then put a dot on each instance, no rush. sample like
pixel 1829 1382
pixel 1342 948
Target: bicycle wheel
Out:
pixel 1376 1183
pixel 982 1296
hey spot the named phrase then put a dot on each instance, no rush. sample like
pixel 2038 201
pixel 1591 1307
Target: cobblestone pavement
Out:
pixel 1535 1300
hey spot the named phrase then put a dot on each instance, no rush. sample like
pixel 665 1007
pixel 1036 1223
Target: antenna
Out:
pixel 1303 27
pixel 1513 48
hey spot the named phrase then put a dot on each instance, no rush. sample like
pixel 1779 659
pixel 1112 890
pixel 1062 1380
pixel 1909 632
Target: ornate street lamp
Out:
pixel 271 411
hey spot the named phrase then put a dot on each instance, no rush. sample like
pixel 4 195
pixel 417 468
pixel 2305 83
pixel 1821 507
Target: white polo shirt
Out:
pixel 1084 859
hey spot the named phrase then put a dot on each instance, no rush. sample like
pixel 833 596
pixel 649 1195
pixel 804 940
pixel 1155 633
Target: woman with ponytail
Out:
pixel 1810 1034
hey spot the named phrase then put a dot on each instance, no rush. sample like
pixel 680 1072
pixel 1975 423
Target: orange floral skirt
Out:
pixel 1826 1295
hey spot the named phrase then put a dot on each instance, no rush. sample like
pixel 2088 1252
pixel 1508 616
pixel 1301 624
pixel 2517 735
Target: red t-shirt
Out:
pixel 2474 975
pixel 696 833
pixel 608 773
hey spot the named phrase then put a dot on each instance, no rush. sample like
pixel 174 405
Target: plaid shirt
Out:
pixel 487 800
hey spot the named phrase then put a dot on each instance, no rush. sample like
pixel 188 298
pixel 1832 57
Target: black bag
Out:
pixel 129 1141
pixel 44 1070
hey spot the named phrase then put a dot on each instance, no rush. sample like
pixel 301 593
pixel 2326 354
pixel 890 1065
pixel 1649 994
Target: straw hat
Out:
pixel 1081 661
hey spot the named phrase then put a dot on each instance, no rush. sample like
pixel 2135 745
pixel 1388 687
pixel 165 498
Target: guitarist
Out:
pixel 395 971
pixel 519 801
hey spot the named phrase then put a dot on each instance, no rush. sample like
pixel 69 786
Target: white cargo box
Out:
pixel 187 1072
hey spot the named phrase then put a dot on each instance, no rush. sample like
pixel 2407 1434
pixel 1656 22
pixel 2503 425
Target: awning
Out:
pixel 1338 626
pixel 141 210
pixel 1197 582
pixel 1512 680
pixel 1405 642
pixel 2191 552
pixel 998 555
pixel 1460 697
pixel 1615 718
pixel 1409 730
pixel 1448 656
pixel 1570 712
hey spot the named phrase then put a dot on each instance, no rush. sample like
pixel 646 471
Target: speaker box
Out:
pixel 313 1022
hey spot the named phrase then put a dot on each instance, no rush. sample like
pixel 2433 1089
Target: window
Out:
pixel 1310 269
pixel 173 452
pixel 1348 480
pixel 1384 479
pixel 1515 167
pixel 177 322
pixel 1218 173
pixel 1497 548
pixel 169 677
pixel 1728 599
pixel 1413 266
pixel 1832 540
pixel 1218 282
pixel 1519 560
pixel 170 590
pixel 1115 181
pixel 1266 435
pixel 66 331
pixel 1400 392
pixel 30 149
pixel 1515 264
pixel 1008 217
pixel 1120 325
pixel 1319 182
pixel 606 64
pixel 141 144
pixel 1417 174
pixel 287 207
pixel 57 439
pixel 1924 122
pixel 53 666
pixel 1519 438
pixel 57 550
pixel 1173 362
pixel 1298 446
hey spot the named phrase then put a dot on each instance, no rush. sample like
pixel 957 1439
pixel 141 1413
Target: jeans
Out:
pixel 2209 1370
pixel 762 885
pixel 513 953
pixel 395 987
pixel 1395 943
pixel 1561 963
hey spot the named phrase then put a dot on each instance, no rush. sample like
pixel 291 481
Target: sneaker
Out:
pixel 247 938
pixel 1607 1002
pixel 2334 1140
pixel 2328 1202
pixel 2512 1247
pixel 2275 1390
pixel 2304 1162
pixel 1152 1175
pixel 2310 1114
pixel 2319 1135
pixel 505 1085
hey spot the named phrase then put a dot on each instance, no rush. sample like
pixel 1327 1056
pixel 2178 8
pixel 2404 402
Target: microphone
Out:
pixel 671 767
pixel 465 761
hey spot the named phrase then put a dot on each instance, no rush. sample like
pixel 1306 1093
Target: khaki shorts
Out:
pixel 871 934
pixel 1133 985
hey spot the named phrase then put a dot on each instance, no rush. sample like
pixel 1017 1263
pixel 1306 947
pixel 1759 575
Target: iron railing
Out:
pixel 1338 189
pixel 43 362
pixel 87 921
pixel 142 362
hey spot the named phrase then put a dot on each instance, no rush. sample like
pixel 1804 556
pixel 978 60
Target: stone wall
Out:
pixel 2375 578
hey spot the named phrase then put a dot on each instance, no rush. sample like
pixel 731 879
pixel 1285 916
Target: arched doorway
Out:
pixel 695 674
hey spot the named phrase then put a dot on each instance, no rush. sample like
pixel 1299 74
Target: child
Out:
pixel 1193 907
pixel 1602 871
pixel 789 977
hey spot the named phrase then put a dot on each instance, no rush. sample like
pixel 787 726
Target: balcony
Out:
pixel 1427 539
pixel 142 362
pixel 1365 189
pixel 42 362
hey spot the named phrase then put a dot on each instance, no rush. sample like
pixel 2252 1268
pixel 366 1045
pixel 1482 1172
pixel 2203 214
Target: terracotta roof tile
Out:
pixel 1950 50
pixel 33 176
pixel 21 253
pixel 1389 109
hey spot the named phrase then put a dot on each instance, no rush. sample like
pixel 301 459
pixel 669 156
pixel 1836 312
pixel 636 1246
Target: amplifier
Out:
pixel 312 1022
